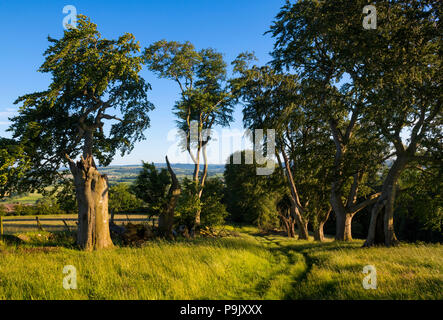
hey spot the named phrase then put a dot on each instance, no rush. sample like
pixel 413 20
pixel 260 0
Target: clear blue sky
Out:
pixel 230 26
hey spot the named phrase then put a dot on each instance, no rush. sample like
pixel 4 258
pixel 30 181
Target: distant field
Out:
pixel 128 174
pixel 247 265
pixel 23 199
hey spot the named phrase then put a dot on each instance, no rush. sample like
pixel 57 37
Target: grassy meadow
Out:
pixel 244 265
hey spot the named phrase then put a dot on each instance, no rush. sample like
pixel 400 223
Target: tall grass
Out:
pixel 246 266
pixel 335 271
pixel 230 268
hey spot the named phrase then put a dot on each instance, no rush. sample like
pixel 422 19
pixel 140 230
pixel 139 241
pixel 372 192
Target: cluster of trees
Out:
pixel 345 100
pixel 356 115
pixel 264 201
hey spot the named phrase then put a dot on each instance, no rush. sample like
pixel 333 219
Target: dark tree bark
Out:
pixel 292 226
pixel 92 197
pixel 302 226
pixel 318 228
pixel 318 233
pixel 289 222
pixel 166 219
pixel 342 219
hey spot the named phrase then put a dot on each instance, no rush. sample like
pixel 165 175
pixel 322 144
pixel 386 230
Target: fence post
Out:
pixel 39 224
pixel 1 226
pixel 66 225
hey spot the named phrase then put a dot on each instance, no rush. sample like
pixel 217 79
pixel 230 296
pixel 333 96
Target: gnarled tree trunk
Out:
pixel 343 219
pixel 318 233
pixel 344 214
pixel 381 227
pixel 343 226
pixel 166 219
pixel 91 189
pixel 318 228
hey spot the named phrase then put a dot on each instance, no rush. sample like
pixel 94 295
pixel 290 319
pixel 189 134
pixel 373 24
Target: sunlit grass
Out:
pixel 243 266
pixel 335 271
pixel 229 268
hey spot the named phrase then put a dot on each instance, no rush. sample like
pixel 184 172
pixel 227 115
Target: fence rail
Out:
pixel 9 222
pixel 71 219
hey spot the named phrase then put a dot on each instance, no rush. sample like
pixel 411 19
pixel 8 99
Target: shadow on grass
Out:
pixel 38 241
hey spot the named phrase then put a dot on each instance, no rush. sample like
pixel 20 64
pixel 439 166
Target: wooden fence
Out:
pixel 9 221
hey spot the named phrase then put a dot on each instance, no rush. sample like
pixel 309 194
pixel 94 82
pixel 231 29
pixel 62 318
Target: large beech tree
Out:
pixel 394 74
pixel 358 153
pixel 93 80
pixel 273 100
pixel 405 105
pixel 311 41
pixel 205 97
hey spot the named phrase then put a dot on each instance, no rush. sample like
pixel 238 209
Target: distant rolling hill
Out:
pixel 124 174
pixel 128 173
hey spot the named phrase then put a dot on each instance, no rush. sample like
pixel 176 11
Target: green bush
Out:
pixel 188 204
pixel 122 200
pixel 213 211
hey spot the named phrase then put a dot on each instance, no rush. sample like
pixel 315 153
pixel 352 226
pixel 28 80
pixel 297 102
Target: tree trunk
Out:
pixel 166 220
pixel 201 185
pixel 289 223
pixel 303 233
pixel 340 213
pixel 318 228
pixel 389 233
pixel 287 228
pixel 344 215
pixel 318 232
pixel 296 208
pixel 347 236
pixel 292 225
pixel 343 230
pixel 92 197
pixel 343 218
pixel 339 225
pixel 302 225
pixel 381 227
pixel 197 219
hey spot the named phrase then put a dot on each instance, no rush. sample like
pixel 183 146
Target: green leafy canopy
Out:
pixel 94 80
